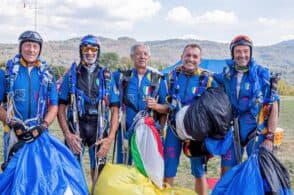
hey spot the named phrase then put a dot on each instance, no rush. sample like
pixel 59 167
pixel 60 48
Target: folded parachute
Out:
pixel 260 174
pixel 210 115
pixel 127 180
pixel 147 149
pixel 44 166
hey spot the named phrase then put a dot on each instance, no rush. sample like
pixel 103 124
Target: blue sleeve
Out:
pixel 218 77
pixel 213 83
pixel 64 89
pixel 114 93
pixel 53 96
pixel 2 85
pixel 162 91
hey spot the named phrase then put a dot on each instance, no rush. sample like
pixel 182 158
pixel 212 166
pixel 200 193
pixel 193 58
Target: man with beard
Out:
pixel 86 93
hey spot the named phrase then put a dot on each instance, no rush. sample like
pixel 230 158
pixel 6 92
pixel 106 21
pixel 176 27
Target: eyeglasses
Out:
pixel 92 49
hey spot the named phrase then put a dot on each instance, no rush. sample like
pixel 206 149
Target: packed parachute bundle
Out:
pixel 127 180
pixel 210 115
pixel 261 173
pixel 44 166
pixel 180 130
pixel 274 173
pixel 147 148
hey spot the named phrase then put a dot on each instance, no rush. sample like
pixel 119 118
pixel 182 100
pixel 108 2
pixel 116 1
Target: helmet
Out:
pixel 241 40
pixel 32 36
pixel 90 40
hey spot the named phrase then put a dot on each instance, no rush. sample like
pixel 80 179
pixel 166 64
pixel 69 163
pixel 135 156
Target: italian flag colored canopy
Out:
pixel 147 150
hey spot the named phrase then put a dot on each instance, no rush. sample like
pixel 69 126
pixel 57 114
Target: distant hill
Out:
pixel 278 57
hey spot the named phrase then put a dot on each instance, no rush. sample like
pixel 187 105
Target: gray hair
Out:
pixel 134 47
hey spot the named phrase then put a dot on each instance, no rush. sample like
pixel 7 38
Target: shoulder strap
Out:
pixel 125 76
pixel 73 78
pixel 203 82
pixel 107 80
pixel 155 83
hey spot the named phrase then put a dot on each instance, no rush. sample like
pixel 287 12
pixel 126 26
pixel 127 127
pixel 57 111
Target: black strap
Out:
pixel 18 145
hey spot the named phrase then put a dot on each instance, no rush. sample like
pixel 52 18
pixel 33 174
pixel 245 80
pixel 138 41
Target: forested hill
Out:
pixel 279 57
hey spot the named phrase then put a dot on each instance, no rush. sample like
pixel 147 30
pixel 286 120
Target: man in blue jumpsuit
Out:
pixel 248 87
pixel 36 160
pixel 185 88
pixel 90 84
pixel 2 80
pixel 136 86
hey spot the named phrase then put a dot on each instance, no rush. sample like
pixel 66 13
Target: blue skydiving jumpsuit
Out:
pixel 188 88
pixel 2 80
pixel 254 89
pixel 136 92
pixel 44 165
pixel 88 87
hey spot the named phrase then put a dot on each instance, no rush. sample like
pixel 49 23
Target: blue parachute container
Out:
pixel 44 166
pixel 219 146
pixel 242 179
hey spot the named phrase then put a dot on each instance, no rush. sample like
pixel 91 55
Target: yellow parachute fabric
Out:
pixel 127 180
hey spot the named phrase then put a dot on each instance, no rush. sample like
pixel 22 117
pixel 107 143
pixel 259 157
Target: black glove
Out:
pixel 18 127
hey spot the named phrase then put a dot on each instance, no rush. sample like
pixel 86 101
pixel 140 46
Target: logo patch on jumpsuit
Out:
pixel 147 90
pixel 247 86
pixel 194 90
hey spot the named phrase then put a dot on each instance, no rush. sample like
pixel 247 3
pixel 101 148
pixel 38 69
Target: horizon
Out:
pixel 120 37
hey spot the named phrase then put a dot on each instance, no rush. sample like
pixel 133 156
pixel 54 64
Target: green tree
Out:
pixel 58 71
pixel 285 89
pixel 110 59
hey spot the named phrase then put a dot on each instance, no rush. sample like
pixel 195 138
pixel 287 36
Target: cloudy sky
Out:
pixel 265 21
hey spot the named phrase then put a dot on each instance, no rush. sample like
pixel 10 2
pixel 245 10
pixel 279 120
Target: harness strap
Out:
pixel 125 77
pixel 45 78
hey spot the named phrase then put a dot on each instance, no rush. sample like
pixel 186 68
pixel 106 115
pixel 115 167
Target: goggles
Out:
pixel 241 38
pixel 87 49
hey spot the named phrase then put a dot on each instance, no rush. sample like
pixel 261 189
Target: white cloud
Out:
pixel 183 15
pixel 267 21
pixel 77 16
pixel 217 17
pixel 180 15
pixel 283 28
pixel 287 37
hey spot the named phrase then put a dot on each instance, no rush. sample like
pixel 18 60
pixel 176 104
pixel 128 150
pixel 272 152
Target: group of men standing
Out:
pixel 95 108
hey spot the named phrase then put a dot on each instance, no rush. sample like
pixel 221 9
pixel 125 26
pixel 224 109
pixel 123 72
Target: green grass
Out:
pixel 184 179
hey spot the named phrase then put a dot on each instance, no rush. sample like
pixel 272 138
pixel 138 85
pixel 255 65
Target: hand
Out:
pixel 106 100
pixel 74 142
pixel 268 144
pixel 16 125
pixel 151 102
pixel 105 145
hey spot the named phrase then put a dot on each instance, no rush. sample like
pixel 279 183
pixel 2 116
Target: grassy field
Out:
pixel 184 179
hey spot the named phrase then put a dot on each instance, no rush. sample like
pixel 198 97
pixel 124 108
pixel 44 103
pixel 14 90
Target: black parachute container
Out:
pixel 210 115
pixel 274 174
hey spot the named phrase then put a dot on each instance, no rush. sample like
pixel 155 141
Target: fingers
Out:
pixel 75 143
pixel 151 102
pixel 105 145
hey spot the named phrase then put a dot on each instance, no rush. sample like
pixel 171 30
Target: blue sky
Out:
pixel 266 22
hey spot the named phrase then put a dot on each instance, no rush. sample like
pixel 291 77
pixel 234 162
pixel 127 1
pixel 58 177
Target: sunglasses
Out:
pixel 92 49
